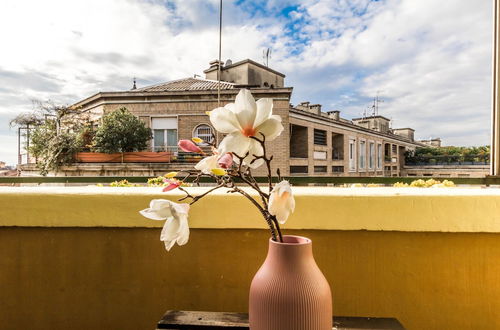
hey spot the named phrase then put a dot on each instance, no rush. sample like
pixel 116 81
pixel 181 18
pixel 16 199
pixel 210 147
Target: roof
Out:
pixel 186 84
pixel 232 65
pixel 371 117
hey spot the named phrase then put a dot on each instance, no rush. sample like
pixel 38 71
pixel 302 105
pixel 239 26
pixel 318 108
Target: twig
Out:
pixel 262 211
pixel 266 159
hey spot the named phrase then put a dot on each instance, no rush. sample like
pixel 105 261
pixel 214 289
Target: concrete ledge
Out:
pixel 321 208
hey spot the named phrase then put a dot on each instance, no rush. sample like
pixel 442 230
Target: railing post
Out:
pixel 495 114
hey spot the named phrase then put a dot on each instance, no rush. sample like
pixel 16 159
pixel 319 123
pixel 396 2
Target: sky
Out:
pixel 430 61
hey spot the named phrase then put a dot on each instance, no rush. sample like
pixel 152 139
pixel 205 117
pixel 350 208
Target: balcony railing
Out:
pixel 294 179
pixel 72 256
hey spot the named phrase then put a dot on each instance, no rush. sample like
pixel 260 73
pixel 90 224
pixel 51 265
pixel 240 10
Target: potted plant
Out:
pixel 122 137
pixel 289 291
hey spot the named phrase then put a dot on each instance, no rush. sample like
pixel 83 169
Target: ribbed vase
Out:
pixel 289 292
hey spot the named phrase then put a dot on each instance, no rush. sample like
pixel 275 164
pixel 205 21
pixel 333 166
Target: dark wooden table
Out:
pixel 190 320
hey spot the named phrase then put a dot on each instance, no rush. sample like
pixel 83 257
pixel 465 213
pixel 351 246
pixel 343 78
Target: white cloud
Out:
pixel 432 61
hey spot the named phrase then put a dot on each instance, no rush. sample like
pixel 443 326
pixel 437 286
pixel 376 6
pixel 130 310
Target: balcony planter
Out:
pixel 126 157
pixel 289 292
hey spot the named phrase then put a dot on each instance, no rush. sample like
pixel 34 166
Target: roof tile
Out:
pixel 187 84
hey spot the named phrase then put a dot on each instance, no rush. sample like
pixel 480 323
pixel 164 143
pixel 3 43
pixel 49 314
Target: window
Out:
pixel 371 155
pixel 337 169
pixel 379 156
pixel 337 146
pixel 204 132
pixel 362 155
pixel 299 169
pixel 320 137
pixel 352 155
pixel 320 169
pixel 164 133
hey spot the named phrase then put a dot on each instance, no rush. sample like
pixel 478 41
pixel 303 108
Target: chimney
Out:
pixel 215 63
pixel 335 115
pixel 316 107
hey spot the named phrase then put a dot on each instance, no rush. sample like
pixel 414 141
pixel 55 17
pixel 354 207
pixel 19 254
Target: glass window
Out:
pixel 171 137
pixel 164 133
pixel 298 169
pixel 371 157
pixel 320 169
pixel 204 132
pixel 379 156
pixel 362 155
pixel 352 155
pixel 159 139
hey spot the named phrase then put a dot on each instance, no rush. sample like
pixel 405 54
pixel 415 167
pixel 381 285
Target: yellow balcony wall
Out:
pixel 83 258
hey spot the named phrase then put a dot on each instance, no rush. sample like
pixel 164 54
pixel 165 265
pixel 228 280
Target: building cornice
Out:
pixel 299 114
pixel 128 97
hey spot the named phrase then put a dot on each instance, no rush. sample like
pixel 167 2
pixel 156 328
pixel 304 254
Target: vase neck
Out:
pixel 294 249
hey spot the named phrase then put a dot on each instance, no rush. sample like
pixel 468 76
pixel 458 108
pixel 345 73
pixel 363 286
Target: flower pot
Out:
pixel 289 292
pixel 126 157
pixel 147 157
pixel 98 157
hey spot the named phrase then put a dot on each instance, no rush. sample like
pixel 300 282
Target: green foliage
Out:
pixel 121 131
pixel 51 148
pixel 123 183
pixel 447 155
pixel 156 182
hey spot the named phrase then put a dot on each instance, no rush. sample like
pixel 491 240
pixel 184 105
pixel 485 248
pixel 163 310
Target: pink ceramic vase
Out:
pixel 289 292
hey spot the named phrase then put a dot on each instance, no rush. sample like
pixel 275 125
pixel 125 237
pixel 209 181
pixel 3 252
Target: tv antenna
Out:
pixel 376 101
pixel 266 55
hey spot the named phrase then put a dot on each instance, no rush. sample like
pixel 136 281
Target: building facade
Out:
pixel 313 142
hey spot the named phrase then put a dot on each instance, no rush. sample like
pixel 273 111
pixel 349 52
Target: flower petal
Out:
pixel 235 143
pixel 207 164
pixel 271 128
pixel 264 111
pixel 225 161
pixel 183 235
pixel 150 214
pixel 224 120
pixel 255 150
pixel 188 146
pixel 281 201
pixel 245 109
pixel 171 186
pixel 169 232
pixel 159 209
pixel 219 171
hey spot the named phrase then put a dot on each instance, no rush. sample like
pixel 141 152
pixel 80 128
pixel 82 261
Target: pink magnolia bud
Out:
pixel 172 184
pixel 226 161
pixel 189 146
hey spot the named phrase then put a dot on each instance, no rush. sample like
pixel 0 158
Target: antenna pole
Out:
pixel 220 52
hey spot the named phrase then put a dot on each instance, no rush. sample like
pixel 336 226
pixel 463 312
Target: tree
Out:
pixel 52 148
pixel 121 131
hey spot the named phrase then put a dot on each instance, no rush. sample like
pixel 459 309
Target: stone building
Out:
pixel 313 142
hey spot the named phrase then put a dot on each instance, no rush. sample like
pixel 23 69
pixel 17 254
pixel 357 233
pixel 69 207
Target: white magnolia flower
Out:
pixel 176 227
pixel 243 119
pixel 207 164
pixel 281 201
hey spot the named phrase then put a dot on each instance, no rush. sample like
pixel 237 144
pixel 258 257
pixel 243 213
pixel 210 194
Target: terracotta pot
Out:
pixel 289 292
pixel 126 157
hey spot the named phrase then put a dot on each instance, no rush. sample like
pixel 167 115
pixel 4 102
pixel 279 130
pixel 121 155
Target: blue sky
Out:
pixel 431 64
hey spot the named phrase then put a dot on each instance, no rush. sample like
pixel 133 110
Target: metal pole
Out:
pixel 28 144
pixel 495 114
pixel 19 157
pixel 220 51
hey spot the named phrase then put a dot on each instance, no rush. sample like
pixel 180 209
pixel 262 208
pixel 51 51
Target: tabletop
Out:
pixel 197 320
